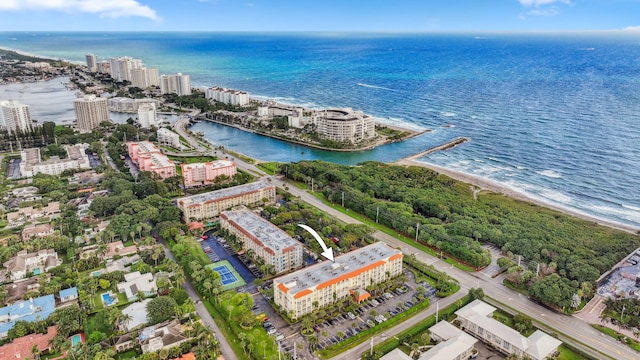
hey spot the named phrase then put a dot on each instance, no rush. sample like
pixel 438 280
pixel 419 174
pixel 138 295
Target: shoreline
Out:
pixel 41 57
pixel 411 134
pixel 496 187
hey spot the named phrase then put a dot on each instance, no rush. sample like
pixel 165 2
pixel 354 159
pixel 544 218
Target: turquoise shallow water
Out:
pixel 554 115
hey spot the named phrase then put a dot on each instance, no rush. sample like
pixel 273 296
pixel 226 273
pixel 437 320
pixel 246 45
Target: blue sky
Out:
pixel 319 15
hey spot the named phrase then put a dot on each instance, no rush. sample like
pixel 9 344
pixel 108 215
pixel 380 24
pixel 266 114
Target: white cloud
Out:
pixel 552 11
pixel 103 8
pixel 537 3
pixel 632 28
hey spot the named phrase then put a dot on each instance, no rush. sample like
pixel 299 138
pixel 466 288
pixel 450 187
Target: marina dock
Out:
pixel 445 146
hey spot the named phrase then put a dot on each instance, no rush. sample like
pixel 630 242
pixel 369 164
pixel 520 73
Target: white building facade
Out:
pixel 90 112
pixel 147 116
pixel 227 96
pixel 177 84
pixel 15 116
pixel 168 137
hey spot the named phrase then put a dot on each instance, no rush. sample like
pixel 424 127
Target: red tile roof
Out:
pixel 21 347
pixel 187 356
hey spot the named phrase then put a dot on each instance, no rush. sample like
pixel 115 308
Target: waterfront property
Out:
pixel 148 157
pixel 327 281
pixel 227 96
pixel 177 84
pixel 15 117
pixel 168 137
pixel 196 174
pixel 128 105
pixel 267 242
pixel 210 204
pixel 476 319
pixel 90 112
pixel 147 116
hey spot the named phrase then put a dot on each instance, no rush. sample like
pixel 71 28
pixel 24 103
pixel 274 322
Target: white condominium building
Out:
pixel 210 204
pixel 122 67
pixel 178 84
pixel 15 116
pixel 92 62
pixel 128 105
pixel 266 240
pixel 168 137
pixel 90 112
pixel 227 96
pixel 326 282
pixel 345 125
pixel 147 115
pixel 143 77
pixel 32 163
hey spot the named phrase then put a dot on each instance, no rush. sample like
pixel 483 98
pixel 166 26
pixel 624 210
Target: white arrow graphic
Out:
pixel 326 252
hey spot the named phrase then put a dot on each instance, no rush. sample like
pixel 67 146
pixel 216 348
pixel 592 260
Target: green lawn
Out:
pixel 192 159
pixel 566 353
pixel 618 336
pixel 268 167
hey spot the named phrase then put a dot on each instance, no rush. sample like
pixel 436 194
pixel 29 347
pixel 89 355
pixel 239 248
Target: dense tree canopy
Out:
pixel 452 220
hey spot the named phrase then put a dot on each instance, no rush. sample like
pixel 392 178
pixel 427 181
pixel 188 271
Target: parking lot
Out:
pixel 13 170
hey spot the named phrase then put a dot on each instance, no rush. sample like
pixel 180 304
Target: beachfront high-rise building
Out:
pixel 129 105
pixel 210 204
pixel 143 77
pixel 15 116
pixel 90 112
pixel 104 67
pixel 326 282
pixel 178 84
pixel 147 115
pixel 227 96
pixel 122 67
pixel 92 62
pixel 274 246
pixel 196 174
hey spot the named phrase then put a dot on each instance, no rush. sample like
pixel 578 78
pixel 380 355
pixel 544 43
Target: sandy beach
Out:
pixel 496 187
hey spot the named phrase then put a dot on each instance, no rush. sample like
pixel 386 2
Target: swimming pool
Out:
pixel 76 339
pixel 106 299
pixel 36 271
pixel 96 273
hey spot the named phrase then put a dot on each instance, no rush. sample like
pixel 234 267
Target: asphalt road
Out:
pixel 202 311
pixel 568 328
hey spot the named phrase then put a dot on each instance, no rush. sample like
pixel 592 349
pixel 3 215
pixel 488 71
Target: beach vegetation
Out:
pixel 565 254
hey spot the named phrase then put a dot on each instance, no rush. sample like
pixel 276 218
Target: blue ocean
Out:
pixel 556 116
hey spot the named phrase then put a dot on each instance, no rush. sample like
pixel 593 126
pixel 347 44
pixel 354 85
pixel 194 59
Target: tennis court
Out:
pixel 229 276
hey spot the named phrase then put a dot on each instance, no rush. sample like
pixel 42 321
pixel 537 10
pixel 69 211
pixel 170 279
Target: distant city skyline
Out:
pixel 328 15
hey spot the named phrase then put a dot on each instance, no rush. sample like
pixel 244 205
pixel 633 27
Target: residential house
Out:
pixel 117 248
pixel 21 348
pixel 52 210
pixel 17 289
pixel 31 310
pixel 39 262
pixel 134 282
pixel 36 231
pixel 476 319
pixel 161 336
pixel 69 294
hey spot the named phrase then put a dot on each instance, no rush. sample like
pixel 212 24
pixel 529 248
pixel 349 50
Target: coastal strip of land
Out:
pixel 445 146
pixel 498 188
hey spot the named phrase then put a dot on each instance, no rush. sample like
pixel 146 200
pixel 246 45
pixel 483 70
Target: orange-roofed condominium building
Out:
pixel 266 240
pixel 328 281
pixel 148 157
pixel 210 204
pixel 205 173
